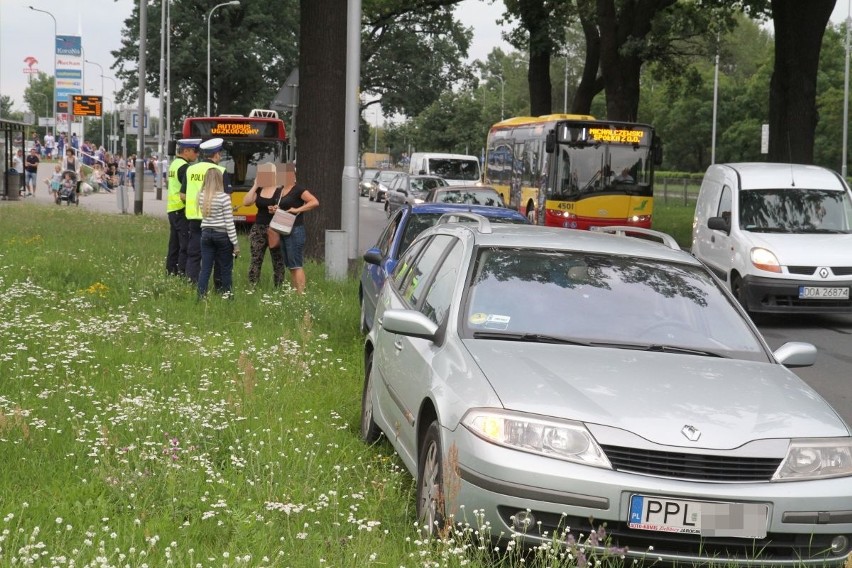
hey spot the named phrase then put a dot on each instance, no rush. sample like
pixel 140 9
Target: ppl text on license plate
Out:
pixel 705 518
pixel 823 293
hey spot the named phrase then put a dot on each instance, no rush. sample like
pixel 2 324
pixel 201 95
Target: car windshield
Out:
pixel 369 174
pixel 604 300
pixel 469 196
pixel 795 210
pixel 385 176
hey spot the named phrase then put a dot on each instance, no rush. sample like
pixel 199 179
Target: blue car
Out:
pixel 403 226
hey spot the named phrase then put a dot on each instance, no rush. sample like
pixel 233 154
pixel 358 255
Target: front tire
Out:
pixel 370 431
pixel 738 290
pixel 430 483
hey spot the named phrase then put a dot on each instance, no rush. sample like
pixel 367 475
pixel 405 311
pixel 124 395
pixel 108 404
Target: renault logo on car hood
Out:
pixel 823 272
pixel 691 432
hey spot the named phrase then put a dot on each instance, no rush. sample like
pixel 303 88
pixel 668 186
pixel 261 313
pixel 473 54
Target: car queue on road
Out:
pixel 584 380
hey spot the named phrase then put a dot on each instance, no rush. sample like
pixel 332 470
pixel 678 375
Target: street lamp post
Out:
pixel 114 110
pixel 843 169
pixel 103 141
pixel 46 101
pixel 209 16
pixel 502 90
pixel 54 62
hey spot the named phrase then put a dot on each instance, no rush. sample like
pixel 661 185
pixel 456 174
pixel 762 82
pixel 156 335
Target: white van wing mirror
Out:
pixel 719 224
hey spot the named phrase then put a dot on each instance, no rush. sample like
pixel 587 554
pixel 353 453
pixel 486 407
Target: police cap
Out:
pixel 192 143
pixel 212 146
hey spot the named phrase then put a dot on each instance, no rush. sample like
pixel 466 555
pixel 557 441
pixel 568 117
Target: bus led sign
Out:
pixel 616 136
pixel 86 105
pixel 204 128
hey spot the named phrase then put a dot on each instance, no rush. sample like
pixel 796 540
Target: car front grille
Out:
pixel 811 270
pixel 694 467
pixel 778 547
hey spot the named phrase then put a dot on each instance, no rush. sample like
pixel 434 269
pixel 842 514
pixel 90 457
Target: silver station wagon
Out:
pixel 549 382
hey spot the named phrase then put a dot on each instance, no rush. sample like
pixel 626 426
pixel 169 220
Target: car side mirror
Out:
pixel 796 354
pixel 422 172
pixel 719 224
pixel 373 256
pixel 409 323
pixel 550 142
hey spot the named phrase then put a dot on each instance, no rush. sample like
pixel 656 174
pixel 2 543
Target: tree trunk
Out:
pixel 541 89
pixel 799 27
pixel 590 83
pixel 322 109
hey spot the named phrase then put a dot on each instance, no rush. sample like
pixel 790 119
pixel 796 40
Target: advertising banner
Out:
pixel 69 69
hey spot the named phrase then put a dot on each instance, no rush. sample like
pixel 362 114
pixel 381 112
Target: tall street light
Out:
pixel 843 169
pixel 103 141
pixel 502 90
pixel 114 108
pixel 54 63
pixel 209 16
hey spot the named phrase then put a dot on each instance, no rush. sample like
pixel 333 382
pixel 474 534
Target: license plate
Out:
pixel 822 292
pixel 704 518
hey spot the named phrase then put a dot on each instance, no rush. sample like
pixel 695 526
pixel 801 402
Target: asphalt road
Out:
pixel 831 376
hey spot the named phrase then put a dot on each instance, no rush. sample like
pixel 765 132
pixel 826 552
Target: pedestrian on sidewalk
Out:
pixel 31 168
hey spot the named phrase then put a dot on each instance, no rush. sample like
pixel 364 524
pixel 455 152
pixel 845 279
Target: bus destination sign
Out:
pixel 86 105
pixel 616 135
pixel 225 128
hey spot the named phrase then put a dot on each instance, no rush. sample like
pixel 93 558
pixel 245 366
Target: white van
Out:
pixel 779 235
pixel 456 169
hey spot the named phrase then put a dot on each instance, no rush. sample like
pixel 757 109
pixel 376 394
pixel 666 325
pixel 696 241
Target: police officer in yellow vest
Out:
pixel 176 208
pixel 211 151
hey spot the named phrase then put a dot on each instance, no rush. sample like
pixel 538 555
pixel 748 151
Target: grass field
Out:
pixel 139 427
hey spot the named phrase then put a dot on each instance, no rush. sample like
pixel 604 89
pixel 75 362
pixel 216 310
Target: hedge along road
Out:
pixel 831 376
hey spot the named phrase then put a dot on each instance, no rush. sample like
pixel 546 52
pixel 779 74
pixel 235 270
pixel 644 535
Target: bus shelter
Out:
pixel 10 182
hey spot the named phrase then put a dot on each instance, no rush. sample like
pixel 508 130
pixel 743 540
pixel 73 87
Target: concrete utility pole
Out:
pixel 158 181
pixel 140 136
pixel 349 194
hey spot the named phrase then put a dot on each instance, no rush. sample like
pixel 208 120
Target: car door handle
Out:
pixel 712 238
pixel 398 344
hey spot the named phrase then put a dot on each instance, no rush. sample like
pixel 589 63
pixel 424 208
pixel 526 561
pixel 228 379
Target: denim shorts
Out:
pixel 293 247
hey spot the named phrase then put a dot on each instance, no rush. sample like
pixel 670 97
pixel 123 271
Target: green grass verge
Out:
pixel 139 427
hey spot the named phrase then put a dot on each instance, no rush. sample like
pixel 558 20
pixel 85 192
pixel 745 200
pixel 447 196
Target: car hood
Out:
pixel 654 395
pixel 811 249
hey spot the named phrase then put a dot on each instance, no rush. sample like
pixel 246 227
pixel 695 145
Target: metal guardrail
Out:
pixel 677 190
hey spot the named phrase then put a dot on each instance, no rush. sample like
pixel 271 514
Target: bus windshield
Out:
pixel 241 157
pixel 590 167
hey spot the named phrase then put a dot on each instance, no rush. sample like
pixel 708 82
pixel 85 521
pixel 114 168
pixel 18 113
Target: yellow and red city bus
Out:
pixel 249 140
pixel 574 171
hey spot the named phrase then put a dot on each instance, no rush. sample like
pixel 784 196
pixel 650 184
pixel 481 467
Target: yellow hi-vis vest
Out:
pixel 194 180
pixel 175 203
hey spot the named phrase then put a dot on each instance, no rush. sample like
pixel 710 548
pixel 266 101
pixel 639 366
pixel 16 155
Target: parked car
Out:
pixel 407 189
pixel 366 179
pixel 380 183
pixel 405 224
pixel 551 382
pixel 779 235
pixel 466 194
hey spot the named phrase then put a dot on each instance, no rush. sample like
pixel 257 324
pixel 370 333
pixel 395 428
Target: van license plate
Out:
pixel 709 519
pixel 822 292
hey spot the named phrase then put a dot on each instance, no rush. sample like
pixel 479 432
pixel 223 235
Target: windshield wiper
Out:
pixel 657 348
pixel 826 231
pixel 767 229
pixel 529 337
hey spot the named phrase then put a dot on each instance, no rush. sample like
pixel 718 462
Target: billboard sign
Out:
pixel 69 69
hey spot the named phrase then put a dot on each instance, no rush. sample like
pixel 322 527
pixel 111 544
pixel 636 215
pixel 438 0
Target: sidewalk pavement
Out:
pixel 102 202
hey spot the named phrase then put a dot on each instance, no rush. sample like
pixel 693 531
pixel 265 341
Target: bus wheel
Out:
pixel 531 217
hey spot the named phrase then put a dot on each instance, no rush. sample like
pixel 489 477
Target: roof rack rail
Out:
pixel 483 225
pixel 624 230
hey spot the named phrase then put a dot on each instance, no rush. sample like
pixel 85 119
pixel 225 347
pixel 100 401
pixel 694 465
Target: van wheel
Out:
pixel 738 291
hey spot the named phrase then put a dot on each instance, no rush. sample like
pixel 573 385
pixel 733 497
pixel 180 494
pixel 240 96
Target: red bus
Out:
pixel 249 140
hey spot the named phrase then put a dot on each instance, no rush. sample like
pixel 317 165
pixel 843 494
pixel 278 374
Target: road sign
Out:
pixel 87 105
pixel 132 123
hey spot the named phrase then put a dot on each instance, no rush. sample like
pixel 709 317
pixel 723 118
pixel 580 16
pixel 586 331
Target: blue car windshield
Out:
pixel 607 299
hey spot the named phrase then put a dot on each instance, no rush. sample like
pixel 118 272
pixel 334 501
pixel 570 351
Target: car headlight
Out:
pixel 561 439
pixel 765 260
pixel 816 459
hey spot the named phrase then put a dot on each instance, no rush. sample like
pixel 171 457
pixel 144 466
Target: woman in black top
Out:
pixel 266 199
pixel 295 199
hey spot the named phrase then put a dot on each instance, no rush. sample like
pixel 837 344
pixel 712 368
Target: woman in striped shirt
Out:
pixel 219 246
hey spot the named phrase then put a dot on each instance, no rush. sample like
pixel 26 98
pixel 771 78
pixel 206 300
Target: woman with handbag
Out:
pixel 261 236
pixel 296 200
pixel 219 246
